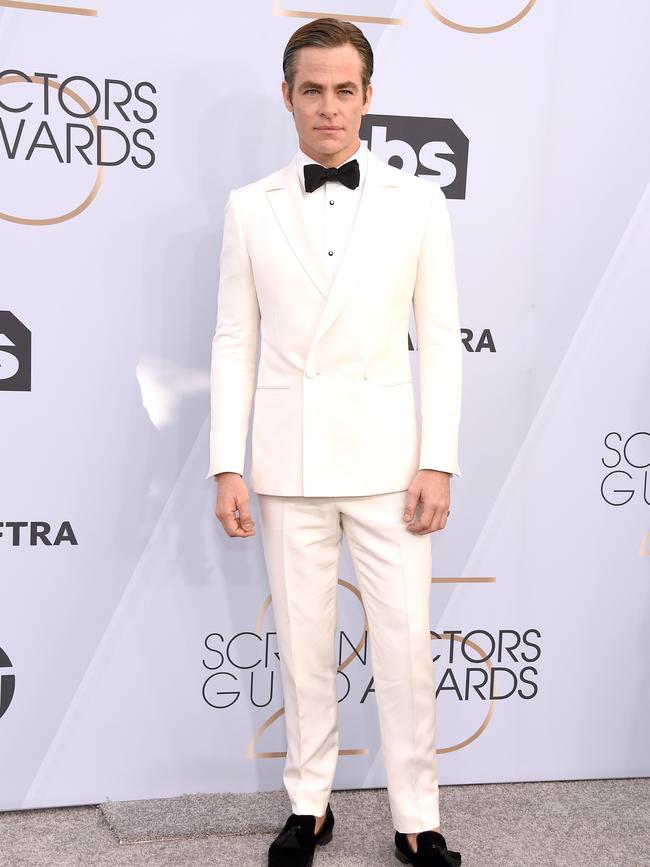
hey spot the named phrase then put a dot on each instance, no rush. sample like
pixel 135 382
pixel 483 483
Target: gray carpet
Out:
pixel 595 823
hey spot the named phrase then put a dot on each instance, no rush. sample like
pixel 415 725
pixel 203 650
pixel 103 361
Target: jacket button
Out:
pixel 311 372
pixel 365 374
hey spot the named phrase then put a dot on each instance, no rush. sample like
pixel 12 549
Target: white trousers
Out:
pixel 301 538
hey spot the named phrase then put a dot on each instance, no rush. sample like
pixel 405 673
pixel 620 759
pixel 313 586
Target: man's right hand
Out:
pixel 232 496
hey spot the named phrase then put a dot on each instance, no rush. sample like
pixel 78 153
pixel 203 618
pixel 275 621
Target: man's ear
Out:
pixel 286 97
pixel 367 97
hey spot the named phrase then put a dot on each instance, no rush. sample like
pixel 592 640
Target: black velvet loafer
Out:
pixel 432 850
pixel 295 844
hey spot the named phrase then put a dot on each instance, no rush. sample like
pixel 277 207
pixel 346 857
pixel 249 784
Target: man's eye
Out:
pixel 313 90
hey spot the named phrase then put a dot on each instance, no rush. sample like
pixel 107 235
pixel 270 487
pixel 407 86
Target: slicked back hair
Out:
pixel 327 33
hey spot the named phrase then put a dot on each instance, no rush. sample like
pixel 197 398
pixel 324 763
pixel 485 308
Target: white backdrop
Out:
pixel 137 647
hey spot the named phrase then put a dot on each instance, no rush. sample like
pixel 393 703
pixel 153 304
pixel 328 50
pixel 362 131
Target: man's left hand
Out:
pixel 429 491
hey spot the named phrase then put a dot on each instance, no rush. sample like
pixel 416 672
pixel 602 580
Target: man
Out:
pixel 323 260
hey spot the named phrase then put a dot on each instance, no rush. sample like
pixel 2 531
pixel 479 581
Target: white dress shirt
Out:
pixel 331 209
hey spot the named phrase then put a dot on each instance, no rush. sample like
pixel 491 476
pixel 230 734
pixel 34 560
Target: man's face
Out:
pixel 328 101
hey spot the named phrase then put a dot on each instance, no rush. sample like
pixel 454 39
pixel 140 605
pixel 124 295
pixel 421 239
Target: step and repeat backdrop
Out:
pixel 138 654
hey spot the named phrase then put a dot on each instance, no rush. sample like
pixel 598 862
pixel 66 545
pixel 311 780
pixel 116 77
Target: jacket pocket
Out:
pixel 274 386
pixel 399 382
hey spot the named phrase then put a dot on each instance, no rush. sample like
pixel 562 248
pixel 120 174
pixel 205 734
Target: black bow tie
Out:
pixel 347 174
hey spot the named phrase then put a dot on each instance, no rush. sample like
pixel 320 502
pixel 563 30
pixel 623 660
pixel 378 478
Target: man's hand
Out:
pixel 429 490
pixel 232 496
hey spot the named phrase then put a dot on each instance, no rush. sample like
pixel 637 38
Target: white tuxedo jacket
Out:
pixel 334 411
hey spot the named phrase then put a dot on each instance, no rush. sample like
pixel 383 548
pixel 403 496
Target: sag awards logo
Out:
pixel 15 354
pixel 474 670
pixel 479 18
pixel 60 132
pixel 626 462
pixel 7 683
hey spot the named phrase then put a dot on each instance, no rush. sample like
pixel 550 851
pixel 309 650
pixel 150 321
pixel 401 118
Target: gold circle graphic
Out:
pixel 252 753
pixel 50 221
pixel 259 623
pixel 491 707
pixel 467 28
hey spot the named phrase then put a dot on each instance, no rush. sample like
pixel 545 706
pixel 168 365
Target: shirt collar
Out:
pixel 361 154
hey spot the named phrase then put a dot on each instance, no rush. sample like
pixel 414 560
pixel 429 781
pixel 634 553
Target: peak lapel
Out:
pixel 285 197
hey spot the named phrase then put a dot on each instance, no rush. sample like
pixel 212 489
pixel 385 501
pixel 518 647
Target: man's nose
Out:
pixel 328 104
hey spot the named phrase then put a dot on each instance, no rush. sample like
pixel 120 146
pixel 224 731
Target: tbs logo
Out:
pixel 7 683
pixel 429 147
pixel 15 354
